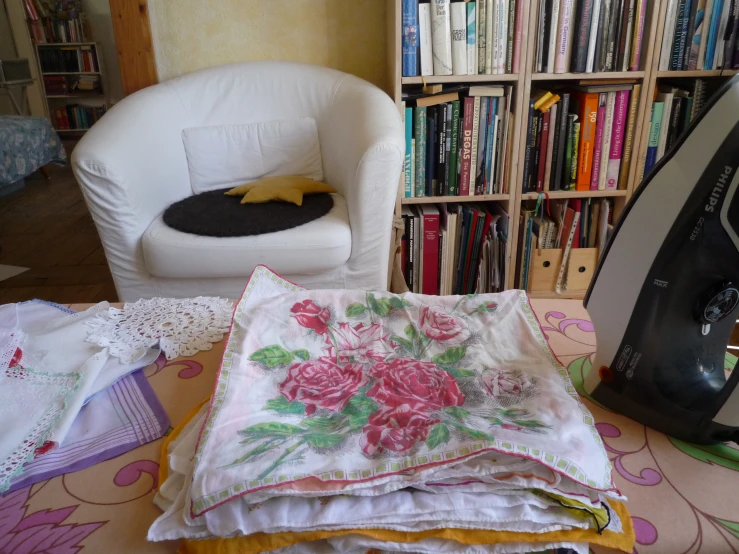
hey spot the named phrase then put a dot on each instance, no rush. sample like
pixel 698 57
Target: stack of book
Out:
pixel 77 117
pixel 62 23
pixel 68 59
pixel 87 83
pixel 586 36
pixel 563 225
pixel 55 85
pixel 462 38
pixel 580 138
pixel 700 35
pixel 454 249
pixel 458 143
pixel 674 108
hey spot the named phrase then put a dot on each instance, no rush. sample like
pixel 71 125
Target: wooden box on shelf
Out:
pixel 581 268
pixel 544 270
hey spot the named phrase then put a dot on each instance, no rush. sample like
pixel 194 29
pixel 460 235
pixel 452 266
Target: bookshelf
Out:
pixel 523 83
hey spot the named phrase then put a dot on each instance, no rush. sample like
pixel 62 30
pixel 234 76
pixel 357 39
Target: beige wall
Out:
pixel 348 35
pixel 98 13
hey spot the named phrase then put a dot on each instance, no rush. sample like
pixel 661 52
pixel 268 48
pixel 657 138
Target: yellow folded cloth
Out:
pixel 287 188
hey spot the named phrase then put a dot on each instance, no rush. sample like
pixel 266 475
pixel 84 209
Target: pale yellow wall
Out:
pixel 348 35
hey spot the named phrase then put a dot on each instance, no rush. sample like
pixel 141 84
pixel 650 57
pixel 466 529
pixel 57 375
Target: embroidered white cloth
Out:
pixel 181 327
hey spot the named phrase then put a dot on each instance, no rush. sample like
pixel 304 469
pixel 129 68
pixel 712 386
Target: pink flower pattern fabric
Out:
pixel 440 326
pixel 322 384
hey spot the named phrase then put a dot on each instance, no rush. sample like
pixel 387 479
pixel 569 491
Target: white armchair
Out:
pixel 135 162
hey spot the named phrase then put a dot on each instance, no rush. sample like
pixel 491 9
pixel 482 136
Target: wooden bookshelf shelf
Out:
pixel 81 95
pixel 587 76
pixel 698 73
pixel 71 73
pixel 64 44
pixel 459 79
pixel 561 194
pixel 444 199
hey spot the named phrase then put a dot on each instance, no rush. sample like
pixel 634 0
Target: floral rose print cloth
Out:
pixel 26 143
pixel 329 392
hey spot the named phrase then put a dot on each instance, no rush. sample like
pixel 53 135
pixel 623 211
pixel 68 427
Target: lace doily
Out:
pixel 182 327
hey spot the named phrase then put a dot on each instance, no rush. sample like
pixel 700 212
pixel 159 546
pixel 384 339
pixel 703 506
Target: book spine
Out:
pixel 432 141
pixel 430 254
pixel 614 29
pixel 553 130
pixel 627 28
pixel 713 34
pixel 640 14
pixel 576 133
pixel 503 37
pixel 694 5
pixel 412 283
pixel 489 36
pixel 528 151
pixel 543 141
pixel 445 141
pixel 588 119
pixel 601 43
pixel 410 38
pixel 413 167
pixel 559 138
pixel 408 122
pixel 501 132
pixel 454 149
pixel 541 25
pixel 518 42
pixel 571 118
pixel 552 36
pixel 492 146
pixel 467 130
pixel 473 156
pixel 559 184
pixel 579 61
pixel 510 38
pixel 721 35
pixel 471 38
pixel 481 35
pixel 421 148
pixel 654 132
pixel 482 127
pixel 593 38
pixel 704 32
pixel 602 99
pixel 696 35
pixel 680 23
pixel 564 38
pixel 459 38
pixel 437 157
pixel 607 135
pixel 732 30
pixel 674 124
pixel 617 139
pixel 441 37
pixel 664 127
pixel 424 33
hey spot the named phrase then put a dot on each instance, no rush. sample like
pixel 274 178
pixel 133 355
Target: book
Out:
pixel 607 135
pixel 458 21
pixel 441 37
pixel 640 14
pixel 705 31
pixel 407 115
pixel 721 34
pixel 424 39
pixel 593 38
pixel 528 151
pixel 471 38
pixel 696 35
pixel 489 36
pixel 683 44
pixel 541 25
pixel 430 249
pixel 420 132
pixel 503 36
pixel 553 130
pixel 665 96
pixel 481 35
pixel 594 179
pixel 732 30
pixel 473 216
pixel 416 248
pixel 674 121
pixel 627 150
pixel 560 141
pixel 614 30
pixel 588 119
pixel 510 46
pixel 491 145
pixel 407 244
pixel 444 143
pixel 572 218
pixel 454 149
pixel 486 90
pixel 624 39
pixel 482 127
pixel 481 227
pixel 564 36
pixel 410 38
pixel 655 125
pixel 552 35
pixel 713 34
pixel 677 35
pixel 581 39
pixel 617 139
pixel 567 166
pixel 517 44
pixel 690 32
pixel 474 145
pixel 600 44
pixel 432 144
pixel 467 130
pixel 576 133
pixel 437 99
pixel 542 140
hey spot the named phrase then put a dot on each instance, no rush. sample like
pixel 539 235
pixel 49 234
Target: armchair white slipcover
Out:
pixel 133 164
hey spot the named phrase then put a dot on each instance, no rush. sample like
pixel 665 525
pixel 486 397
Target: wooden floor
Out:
pixel 47 228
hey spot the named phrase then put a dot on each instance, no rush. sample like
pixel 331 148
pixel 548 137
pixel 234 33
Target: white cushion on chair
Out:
pixel 320 245
pixel 229 155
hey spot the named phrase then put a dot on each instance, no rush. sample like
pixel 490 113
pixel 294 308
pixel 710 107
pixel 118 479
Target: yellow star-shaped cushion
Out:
pixel 285 188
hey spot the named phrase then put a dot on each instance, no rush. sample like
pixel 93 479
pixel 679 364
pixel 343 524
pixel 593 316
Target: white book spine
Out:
pixel 459 38
pixel 503 36
pixel 704 34
pixel 441 37
pixel 554 25
pixel 442 274
pixel 668 35
pixel 550 145
pixel 413 167
pixel 593 38
pixel 718 58
pixel 473 153
pixel 564 38
pixel 664 129
pixel 489 26
pixel 471 38
pixel 605 148
pixel 571 40
pixel 424 26
pixel 630 34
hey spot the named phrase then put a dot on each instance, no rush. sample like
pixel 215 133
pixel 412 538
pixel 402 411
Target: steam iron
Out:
pixel 665 296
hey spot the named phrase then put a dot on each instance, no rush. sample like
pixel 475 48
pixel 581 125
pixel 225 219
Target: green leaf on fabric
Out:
pixel 459 373
pixel 381 306
pixel 261 449
pixel 324 440
pixel 513 412
pixel 302 354
pixel 282 405
pixel 731 526
pixel 474 434
pixel 355 310
pixel 397 302
pixel 410 332
pixel 438 435
pixel 488 307
pixel 457 412
pixel 403 342
pixel 358 410
pixel 451 356
pixel 322 424
pixel 530 423
pixel 715 454
pixel 272 429
pixel 272 356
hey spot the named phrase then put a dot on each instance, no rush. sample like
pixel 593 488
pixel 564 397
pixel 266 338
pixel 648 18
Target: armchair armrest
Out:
pixel 362 144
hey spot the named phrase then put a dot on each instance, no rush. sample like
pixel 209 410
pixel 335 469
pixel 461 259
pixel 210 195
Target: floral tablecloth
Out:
pixel 683 498
pixel 26 144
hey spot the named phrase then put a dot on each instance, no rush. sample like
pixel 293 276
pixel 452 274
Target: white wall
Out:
pixel 98 12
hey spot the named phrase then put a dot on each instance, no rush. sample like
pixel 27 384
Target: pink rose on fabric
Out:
pixel 421 385
pixel 359 343
pixel 322 384
pixel 396 429
pixel 311 315
pixel 15 360
pixel 504 383
pixel 438 325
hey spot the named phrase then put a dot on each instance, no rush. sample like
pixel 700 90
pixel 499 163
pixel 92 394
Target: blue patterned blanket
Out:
pixel 26 144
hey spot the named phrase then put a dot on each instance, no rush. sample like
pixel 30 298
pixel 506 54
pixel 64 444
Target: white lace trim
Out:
pixel 182 327
pixel 8 350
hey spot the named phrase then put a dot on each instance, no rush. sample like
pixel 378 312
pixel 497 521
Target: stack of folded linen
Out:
pixel 343 421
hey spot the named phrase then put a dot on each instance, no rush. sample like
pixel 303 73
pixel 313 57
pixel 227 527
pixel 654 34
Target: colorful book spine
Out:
pixel 579 62
pixel 564 38
pixel 420 125
pixel 602 98
pixel 408 122
pixel 607 135
pixel 441 37
pixel 655 126
pixel 518 39
pixel 571 118
pixel 431 146
pixel 511 35
pixel 560 143
pixel 713 34
pixel 474 146
pixel 617 139
pixel 467 130
pixel 543 141
pixel 684 34
pixel 410 38
pixel 694 4
pixel 627 31
pixel 553 130
pixel 530 135
pixel 675 46
pixel 424 37
pixel 459 37
pixel 454 150
pixel 502 36
pixel 614 28
pixel 576 126
pixel 481 36
pixel 696 36
pixel 482 127
pixel 430 249
pixel 490 146
pixel 627 151
pixel 413 167
pixel 471 38
pixel 592 40
pixel 588 120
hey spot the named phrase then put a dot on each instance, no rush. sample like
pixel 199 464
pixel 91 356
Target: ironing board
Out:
pixel 682 498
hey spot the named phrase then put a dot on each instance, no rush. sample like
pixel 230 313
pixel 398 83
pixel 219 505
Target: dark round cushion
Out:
pixel 213 214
